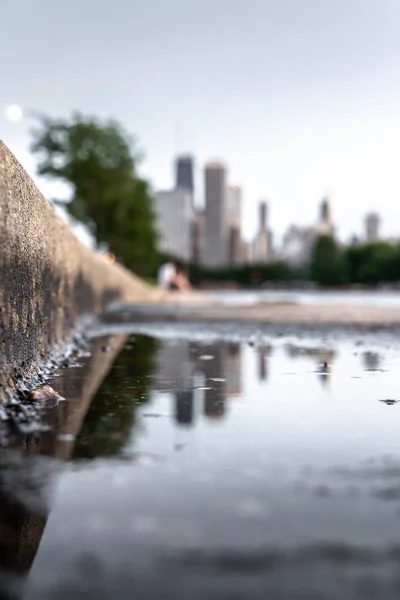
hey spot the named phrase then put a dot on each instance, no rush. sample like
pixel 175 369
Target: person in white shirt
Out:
pixel 166 275
pixel 171 276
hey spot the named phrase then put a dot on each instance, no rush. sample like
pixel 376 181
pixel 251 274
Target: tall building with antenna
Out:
pixel 184 176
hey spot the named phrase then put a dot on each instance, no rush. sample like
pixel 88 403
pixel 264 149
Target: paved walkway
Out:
pixel 197 307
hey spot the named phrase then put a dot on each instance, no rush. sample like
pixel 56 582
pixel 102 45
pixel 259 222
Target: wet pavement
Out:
pixel 210 463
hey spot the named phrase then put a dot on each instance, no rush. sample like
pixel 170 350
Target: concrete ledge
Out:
pixel 49 281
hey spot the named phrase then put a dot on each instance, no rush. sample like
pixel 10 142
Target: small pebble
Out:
pixel 44 393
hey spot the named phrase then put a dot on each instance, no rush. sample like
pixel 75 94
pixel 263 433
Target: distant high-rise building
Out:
pixel 174 221
pixel 185 173
pixel 297 245
pixel 262 244
pixel 372 224
pixel 325 211
pixel 325 223
pixel 233 209
pixel 246 252
pixel 215 250
pixel 197 236
pixel 233 205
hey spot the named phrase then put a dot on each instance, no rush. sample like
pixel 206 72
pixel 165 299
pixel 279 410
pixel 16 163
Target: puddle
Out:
pixel 210 469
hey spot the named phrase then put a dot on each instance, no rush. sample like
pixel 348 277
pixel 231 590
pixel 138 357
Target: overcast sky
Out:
pixel 300 98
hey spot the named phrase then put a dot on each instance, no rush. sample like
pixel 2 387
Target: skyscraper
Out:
pixel 184 173
pixel 233 205
pixel 325 223
pixel 174 219
pixel 197 236
pixel 297 245
pixel 263 215
pixel 372 223
pixel 234 201
pixel 215 251
pixel 262 245
pixel 325 211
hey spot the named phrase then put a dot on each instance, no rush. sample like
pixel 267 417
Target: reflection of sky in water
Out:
pixel 290 404
pixel 285 444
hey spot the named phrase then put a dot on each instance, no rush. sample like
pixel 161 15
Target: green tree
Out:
pixel 327 266
pixel 96 159
pixel 373 263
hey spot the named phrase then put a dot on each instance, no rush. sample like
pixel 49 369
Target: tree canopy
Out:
pixel 97 160
pixel 326 267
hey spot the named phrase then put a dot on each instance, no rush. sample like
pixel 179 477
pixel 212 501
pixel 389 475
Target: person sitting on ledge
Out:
pixel 171 276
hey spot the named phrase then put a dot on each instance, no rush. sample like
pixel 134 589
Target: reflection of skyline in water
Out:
pixel 178 363
pixel 372 361
pixel 264 352
pixel 203 391
pixel 323 359
pixel 184 409
pixel 215 392
pixel 218 365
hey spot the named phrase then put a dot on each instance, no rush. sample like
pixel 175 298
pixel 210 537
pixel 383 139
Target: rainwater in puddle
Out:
pixel 210 470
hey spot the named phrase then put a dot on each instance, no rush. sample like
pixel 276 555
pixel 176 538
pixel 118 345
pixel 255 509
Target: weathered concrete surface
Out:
pixel 48 280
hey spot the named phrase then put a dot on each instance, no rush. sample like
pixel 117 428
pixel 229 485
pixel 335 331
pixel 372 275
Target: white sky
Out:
pixel 300 98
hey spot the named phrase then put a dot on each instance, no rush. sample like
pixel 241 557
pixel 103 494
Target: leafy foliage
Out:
pixel 327 267
pixel 330 266
pixel 374 263
pixel 108 196
pixel 245 275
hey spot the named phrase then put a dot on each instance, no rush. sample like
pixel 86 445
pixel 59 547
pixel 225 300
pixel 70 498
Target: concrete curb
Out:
pixel 49 281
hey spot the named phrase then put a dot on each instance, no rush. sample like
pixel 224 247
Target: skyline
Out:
pixel 298 102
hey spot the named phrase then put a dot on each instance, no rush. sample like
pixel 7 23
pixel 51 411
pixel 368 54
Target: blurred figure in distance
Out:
pixel 171 276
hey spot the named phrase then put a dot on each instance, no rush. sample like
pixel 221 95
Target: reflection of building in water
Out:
pixel 232 357
pixel 184 407
pixel 371 361
pixel 225 365
pixel 174 370
pixel 325 359
pixel 295 351
pixel 173 366
pixel 178 363
pixel 215 392
pixel 263 354
pixel 324 373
